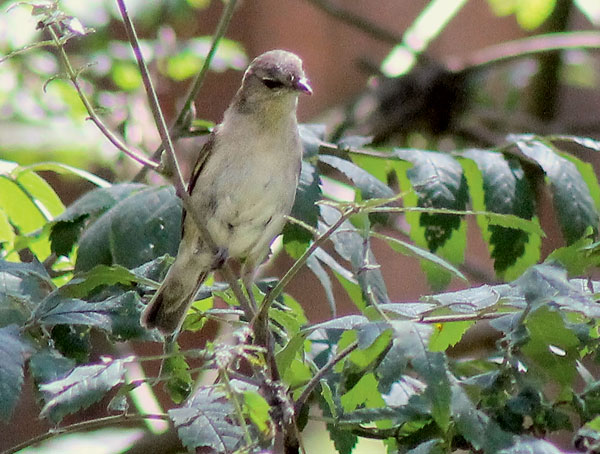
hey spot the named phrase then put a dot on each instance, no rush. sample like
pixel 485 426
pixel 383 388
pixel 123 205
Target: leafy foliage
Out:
pixel 72 275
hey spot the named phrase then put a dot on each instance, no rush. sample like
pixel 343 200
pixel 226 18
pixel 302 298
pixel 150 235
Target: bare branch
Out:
pixel 178 127
pixel 112 137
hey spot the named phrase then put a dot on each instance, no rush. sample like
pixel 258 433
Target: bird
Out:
pixel 243 185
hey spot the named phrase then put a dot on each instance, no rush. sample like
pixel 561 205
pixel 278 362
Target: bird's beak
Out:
pixel 303 85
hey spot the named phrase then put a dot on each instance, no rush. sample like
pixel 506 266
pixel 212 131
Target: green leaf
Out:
pixel 312 136
pixel 179 383
pixel 48 365
pixel 410 250
pixel 206 420
pixel 363 393
pixel 64 235
pixel 40 192
pixel 552 346
pixel 82 387
pixel 352 247
pixel 475 426
pixel 258 410
pixel 317 269
pixel 435 180
pixel 296 238
pixel 22 287
pixel 13 350
pixel 99 200
pixel 58 310
pixel 573 202
pixel 65 169
pixel 498 183
pixel 447 335
pixel 370 186
pixel 83 284
pixel 137 229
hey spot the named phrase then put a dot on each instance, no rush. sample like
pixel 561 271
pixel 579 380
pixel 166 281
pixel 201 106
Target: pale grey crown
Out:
pixel 276 72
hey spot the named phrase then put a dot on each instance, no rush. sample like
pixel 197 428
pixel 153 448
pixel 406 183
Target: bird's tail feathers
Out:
pixel 169 305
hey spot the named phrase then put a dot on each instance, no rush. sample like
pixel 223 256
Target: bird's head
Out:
pixel 275 76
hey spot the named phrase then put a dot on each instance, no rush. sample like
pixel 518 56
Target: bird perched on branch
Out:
pixel 243 184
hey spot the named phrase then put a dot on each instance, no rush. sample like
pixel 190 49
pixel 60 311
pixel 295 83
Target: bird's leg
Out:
pixel 219 258
pixel 247 274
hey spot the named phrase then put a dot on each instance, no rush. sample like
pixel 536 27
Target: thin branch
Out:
pixel 459 317
pixel 177 176
pixel 520 48
pixel 357 21
pixel 92 112
pixel 314 381
pixel 85 425
pixel 178 127
pixel 274 293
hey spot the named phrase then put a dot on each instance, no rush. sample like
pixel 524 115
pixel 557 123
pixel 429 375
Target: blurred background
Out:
pixel 443 75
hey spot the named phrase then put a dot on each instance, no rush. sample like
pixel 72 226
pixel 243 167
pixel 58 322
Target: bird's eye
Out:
pixel 272 83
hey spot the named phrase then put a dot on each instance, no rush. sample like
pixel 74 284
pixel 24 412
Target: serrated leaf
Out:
pixel 370 186
pixel 139 228
pixel 552 346
pixel 82 387
pixel 296 238
pixel 64 235
pixel 22 287
pixel 258 411
pixel 498 184
pixel 447 335
pixel 48 365
pixel 475 426
pixel 312 136
pixel 83 284
pixel 13 350
pixel 207 420
pixel 435 180
pixel 179 383
pixel 352 247
pixel 363 393
pixel 58 310
pixel 573 202
pixel 410 250
pixel 317 269
pixel 100 200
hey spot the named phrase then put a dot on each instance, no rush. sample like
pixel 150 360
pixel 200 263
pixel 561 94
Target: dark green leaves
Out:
pixel 13 348
pixel 142 226
pixel 208 420
pixel 573 202
pixel 82 387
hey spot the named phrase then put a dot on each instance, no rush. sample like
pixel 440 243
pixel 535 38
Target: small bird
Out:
pixel 243 184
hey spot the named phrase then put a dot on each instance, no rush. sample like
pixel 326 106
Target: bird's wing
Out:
pixel 203 155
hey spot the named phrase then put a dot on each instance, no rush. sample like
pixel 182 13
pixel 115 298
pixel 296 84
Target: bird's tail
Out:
pixel 169 305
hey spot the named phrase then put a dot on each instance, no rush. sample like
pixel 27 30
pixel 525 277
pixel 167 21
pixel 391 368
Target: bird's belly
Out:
pixel 252 215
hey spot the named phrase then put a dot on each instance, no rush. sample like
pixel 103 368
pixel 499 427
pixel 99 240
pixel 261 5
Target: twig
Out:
pixel 85 425
pixel 177 129
pixel 459 317
pixel 357 21
pixel 274 293
pixel 314 381
pixel 511 50
pixel 177 176
pixel 92 112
